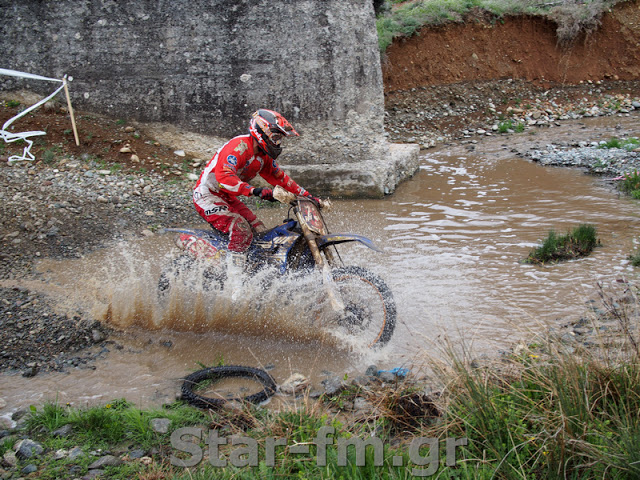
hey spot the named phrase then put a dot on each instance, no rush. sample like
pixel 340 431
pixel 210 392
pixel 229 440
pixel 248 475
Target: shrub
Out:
pixel 630 182
pixel 577 243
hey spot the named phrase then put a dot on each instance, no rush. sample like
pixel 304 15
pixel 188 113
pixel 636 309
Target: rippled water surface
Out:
pixel 453 237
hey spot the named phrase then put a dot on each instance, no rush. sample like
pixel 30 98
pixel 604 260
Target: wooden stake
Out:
pixel 73 120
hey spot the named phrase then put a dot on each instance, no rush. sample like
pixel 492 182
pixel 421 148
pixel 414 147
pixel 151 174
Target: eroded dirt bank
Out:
pixel 522 47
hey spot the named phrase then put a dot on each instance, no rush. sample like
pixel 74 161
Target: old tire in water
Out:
pixel 369 305
pixel 216 373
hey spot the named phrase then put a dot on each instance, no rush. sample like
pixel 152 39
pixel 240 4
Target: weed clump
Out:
pixel 630 184
pixel 508 126
pixel 577 243
pixel 628 144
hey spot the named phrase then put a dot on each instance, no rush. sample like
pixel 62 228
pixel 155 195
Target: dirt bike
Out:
pixel 360 302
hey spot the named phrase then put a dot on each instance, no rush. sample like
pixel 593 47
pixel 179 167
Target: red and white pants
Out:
pixel 228 214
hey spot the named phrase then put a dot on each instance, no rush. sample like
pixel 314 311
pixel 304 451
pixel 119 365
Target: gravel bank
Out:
pixel 66 212
pixel 72 209
pixel 594 157
pixel 433 115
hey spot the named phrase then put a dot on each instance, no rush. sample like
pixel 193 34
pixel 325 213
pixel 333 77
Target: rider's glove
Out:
pixel 264 194
pixel 315 200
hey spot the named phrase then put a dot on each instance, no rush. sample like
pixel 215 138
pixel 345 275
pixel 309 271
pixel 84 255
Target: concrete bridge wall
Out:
pixel 204 66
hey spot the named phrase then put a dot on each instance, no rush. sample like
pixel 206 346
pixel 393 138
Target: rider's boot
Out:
pixel 235 271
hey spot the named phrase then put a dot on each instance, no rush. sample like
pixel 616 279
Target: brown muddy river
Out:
pixel 453 239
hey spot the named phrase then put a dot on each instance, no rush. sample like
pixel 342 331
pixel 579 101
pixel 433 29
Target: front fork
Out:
pixel 324 267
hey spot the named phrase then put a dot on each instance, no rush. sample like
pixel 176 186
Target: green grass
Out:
pixel 49 156
pixel 578 243
pixel 504 127
pixel 546 412
pixel 404 19
pixel 630 184
pixel 626 144
pixel 558 415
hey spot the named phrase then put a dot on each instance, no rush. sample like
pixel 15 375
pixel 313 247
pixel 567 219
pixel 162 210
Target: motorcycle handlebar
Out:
pixel 288 198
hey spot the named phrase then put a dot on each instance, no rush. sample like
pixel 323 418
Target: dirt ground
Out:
pixel 112 142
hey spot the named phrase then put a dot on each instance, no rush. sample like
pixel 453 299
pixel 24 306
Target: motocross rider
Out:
pixel 226 177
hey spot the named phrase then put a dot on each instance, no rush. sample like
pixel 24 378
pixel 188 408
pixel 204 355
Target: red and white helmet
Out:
pixel 269 128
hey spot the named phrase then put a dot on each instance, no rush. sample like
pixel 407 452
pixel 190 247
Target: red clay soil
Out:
pixel 521 47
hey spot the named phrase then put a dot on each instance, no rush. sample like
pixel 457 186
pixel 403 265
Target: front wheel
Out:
pixel 370 311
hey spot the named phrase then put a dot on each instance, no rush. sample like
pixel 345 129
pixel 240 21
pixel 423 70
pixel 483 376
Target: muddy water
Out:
pixel 453 238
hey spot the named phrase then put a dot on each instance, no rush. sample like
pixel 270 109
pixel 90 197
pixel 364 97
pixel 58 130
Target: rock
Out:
pixel 361 404
pixel 333 386
pixel 179 153
pixel 371 371
pixel 31 370
pixel 3 403
pixel 75 453
pixel 75 470
pixel 93 474
pixel 28 448
pixel 137 453
pixel 160 425
pixel 18 414
pixel 387 377
pixel 294 384
pixel 361 380
pixel 10 458
pixel 64 431
pixel 60 454
pixel 98 335
pixel 29 469
pixel 106 461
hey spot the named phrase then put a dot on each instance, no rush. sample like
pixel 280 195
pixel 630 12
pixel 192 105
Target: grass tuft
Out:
pixel 577 243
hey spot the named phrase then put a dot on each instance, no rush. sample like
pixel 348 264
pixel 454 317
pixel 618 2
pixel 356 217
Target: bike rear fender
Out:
pixel 336 238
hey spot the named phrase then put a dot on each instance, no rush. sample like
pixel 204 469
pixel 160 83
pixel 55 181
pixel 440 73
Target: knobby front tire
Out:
pixel 369 305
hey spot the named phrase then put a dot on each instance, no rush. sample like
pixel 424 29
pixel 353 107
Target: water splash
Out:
pixel 198 298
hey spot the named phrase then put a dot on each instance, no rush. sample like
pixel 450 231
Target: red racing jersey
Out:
pixel 235 164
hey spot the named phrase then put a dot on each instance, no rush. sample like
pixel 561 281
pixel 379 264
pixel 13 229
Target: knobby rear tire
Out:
pixel 181 269
pixel 216 373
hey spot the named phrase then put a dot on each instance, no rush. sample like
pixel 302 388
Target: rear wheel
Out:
pixel 186 272
pixel 370 311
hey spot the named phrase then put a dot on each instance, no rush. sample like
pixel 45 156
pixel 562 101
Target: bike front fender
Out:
pixel 336 238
